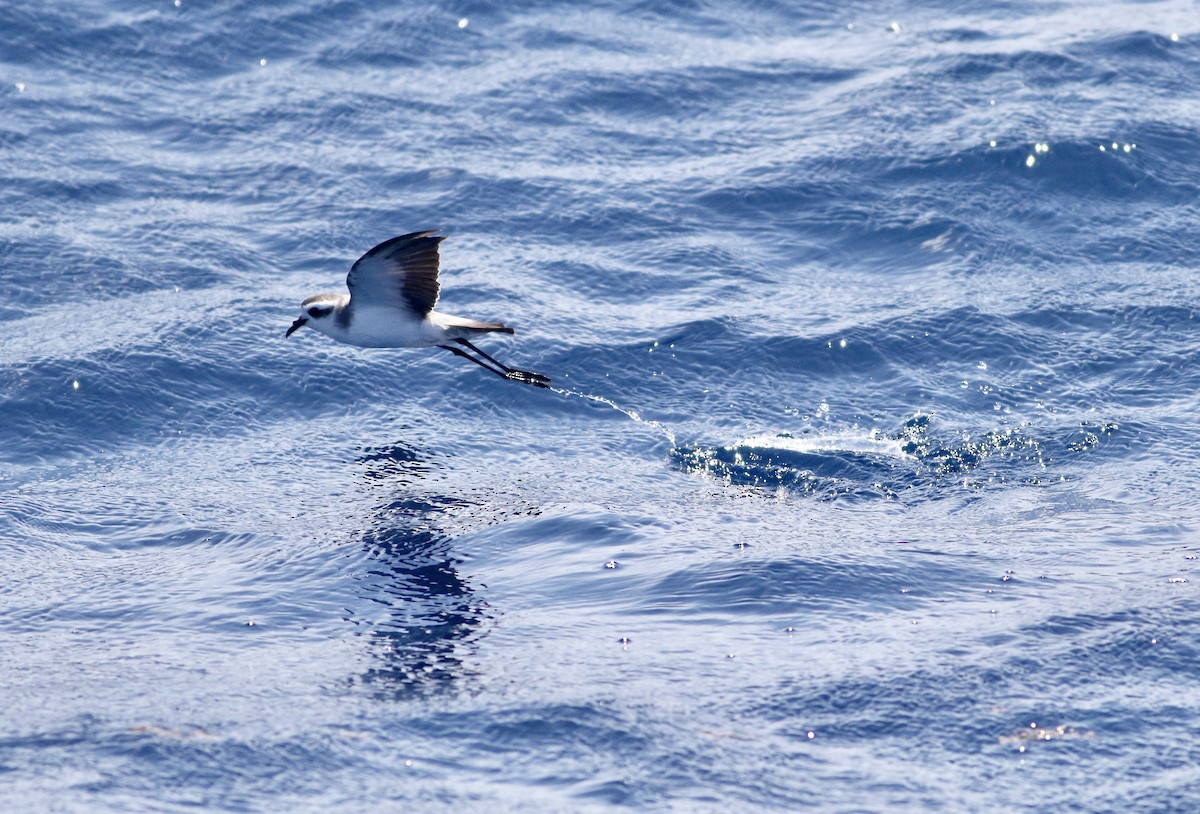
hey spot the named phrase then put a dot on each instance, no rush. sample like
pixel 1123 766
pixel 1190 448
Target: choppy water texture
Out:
pixel 869 479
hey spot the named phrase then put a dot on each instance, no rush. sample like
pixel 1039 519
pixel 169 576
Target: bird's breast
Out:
pixel 384 328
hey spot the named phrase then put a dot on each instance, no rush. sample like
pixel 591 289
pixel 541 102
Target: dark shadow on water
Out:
pixel 434 615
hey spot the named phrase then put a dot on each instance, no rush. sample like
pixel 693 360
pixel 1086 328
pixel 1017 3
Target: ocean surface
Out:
pixel 868 482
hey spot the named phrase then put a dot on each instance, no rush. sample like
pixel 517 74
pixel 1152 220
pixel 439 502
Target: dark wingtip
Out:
pixel 403 241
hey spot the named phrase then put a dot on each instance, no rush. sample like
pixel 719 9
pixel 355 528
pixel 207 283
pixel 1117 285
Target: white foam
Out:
pixel 856 442
pixel 666 431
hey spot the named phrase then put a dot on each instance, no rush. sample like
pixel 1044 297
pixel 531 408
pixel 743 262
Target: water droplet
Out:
pixel 894 27
pixel 263 62
pixel 992 143
pixel 464 22
pixel 811 734
pixel 1030 161
pixel 75 384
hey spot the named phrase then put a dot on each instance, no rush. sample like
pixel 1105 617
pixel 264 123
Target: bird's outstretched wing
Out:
pixel 398 273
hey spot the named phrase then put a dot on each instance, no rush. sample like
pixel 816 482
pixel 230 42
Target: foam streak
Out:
pixel 655 425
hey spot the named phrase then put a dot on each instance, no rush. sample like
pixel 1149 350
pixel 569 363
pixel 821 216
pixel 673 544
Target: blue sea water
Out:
pixel 867 485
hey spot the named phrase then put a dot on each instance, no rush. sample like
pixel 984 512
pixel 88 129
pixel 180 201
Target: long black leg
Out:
pixel 460 352
pixel 526 376
pixel 498 364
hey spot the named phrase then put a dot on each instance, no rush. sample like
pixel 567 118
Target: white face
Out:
pixel 314 312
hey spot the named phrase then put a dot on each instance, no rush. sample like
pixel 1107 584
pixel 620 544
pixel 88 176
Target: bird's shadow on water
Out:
pixel 434 616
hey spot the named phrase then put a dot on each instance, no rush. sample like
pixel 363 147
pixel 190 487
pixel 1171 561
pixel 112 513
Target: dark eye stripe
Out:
pixel 319 311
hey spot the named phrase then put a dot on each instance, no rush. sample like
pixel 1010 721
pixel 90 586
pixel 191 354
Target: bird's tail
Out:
pixel 474 326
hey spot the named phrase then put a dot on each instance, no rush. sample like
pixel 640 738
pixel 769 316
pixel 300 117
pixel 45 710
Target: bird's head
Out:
pixel 315 310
